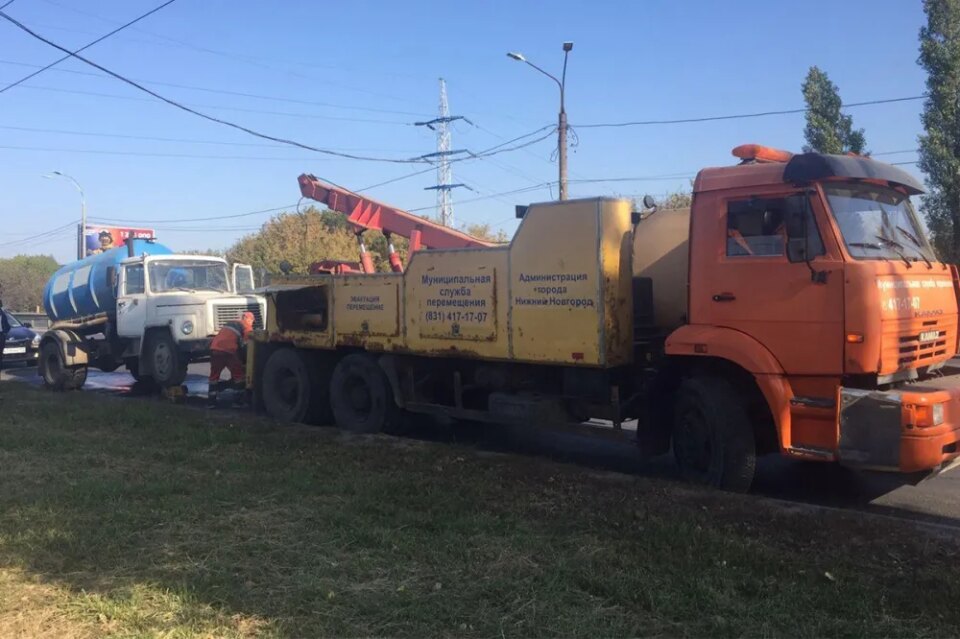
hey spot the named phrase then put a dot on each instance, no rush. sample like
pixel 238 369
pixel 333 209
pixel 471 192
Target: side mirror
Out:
pixel 795 224
pixel 649 202
pixel 797 249
pixel 28 324
pixel 285 267
pixel 111 276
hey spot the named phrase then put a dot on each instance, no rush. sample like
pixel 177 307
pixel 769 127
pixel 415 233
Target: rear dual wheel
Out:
pixel 356 394
pixel 361 397
pixel 295 388
pixel 56 374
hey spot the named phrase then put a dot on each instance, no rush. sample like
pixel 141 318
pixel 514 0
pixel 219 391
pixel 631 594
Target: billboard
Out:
pixel 98 239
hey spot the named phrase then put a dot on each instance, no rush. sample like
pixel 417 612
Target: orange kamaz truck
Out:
pixel 796 308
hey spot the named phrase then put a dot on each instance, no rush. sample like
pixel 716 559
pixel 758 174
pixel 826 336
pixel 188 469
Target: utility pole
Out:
pixel 562 125
pixel 81 239
pixel 444 175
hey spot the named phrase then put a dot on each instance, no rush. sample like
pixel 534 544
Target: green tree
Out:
pixel 485 232
pixel 940 143
pixel 22 280
pixel 828 130
pixel 307 237
pixel 680 199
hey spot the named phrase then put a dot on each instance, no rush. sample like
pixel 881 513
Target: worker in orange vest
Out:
pixel 229 350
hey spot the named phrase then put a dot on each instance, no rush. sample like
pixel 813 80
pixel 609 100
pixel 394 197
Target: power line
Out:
pixel 86 46
pixel 288 114
pixel 491 196
pixel 198 156
pixel 396 179
pixel 178 105
pixel 148 154
pixel 152 138
pixel 202 219
pixel 246 59
pixel 740 115
pixel 243 94
pixel 649 178
pixel 42 235
pixel 199 114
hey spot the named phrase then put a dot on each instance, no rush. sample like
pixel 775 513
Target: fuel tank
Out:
pixel 86 287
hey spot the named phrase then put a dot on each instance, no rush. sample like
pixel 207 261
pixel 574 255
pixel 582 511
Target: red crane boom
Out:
pixel 365 214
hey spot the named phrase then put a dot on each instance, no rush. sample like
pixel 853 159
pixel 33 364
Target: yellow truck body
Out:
pixel 558 293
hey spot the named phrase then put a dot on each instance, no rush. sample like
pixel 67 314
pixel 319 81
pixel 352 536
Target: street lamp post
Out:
pixel 81 243
pixel 562 128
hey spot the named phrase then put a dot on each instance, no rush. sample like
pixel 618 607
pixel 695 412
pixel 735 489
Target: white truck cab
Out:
pixel 169 307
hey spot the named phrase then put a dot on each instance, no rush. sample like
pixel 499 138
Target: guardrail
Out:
pixel 38 321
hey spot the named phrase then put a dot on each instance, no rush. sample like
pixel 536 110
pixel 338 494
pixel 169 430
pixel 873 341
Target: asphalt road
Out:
pixel 935 499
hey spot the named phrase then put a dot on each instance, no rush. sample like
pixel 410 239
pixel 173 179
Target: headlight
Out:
pixel 36 340
pixel 187 327
pixel 937 414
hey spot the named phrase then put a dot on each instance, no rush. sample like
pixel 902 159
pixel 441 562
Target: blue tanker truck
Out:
pixel 143 307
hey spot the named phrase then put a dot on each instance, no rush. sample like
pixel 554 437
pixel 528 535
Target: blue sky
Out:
pixel 354 76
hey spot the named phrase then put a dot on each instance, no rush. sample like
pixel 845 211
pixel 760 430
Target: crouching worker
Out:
pixel 228 350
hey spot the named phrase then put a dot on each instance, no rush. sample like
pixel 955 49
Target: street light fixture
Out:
pixel 562 128
pixel 81 243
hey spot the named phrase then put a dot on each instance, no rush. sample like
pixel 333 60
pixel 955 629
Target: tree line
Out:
pixel 22 279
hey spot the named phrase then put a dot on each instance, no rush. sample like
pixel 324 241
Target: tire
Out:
pixel 133 367
pixel 361 396
pixel 293 388
pixel 56 376
pixel 168 367
pixel 713 439
pixel 76 378
pixel 141 383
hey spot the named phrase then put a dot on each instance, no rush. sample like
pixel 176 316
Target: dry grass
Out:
pixel 134 518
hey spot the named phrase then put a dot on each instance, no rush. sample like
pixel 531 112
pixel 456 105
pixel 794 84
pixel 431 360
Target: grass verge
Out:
pixel 135 518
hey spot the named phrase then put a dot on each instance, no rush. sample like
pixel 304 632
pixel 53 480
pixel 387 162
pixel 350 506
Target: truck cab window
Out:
pixel 757 227
pixel 134 280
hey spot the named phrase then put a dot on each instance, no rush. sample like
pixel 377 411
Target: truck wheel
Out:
pixel 56 376
pixel 133 367
pixel 293 389
pixel 167 365
pixel 713 439
pixel 143 383
pixel 361 396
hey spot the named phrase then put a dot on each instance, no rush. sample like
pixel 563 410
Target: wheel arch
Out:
pixel 150 331
pixel 72 346
pixel 738 357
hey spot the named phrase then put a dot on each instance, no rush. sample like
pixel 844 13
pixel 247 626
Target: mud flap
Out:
pixel 870 429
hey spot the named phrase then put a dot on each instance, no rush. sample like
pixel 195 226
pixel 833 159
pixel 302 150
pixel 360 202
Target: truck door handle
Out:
pixel 724 297
pixel 121 304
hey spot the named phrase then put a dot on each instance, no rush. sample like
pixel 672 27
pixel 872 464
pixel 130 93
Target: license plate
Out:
pixel 929 336
pixel 15 350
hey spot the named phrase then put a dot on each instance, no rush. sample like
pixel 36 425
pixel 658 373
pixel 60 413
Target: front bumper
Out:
pixel 195 347
pixel 30 354
pixel 897 430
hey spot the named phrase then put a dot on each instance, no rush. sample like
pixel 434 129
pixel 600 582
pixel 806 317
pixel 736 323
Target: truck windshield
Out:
pixel 186 275
pixel 878 223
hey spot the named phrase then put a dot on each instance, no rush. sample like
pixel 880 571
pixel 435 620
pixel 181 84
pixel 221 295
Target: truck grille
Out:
pixel 914 347
pixel 233 312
